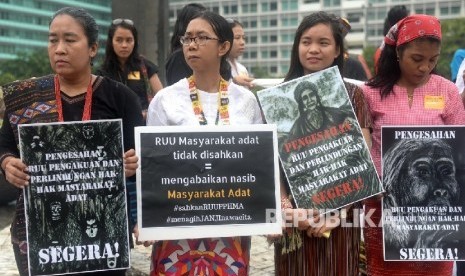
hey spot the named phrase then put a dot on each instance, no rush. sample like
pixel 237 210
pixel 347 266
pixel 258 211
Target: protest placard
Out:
pixel 209 181
pixel 76 201
pixel 423 175
pixel 325 158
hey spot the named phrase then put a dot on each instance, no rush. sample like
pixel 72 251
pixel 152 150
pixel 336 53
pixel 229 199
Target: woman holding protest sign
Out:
pixel 405 91
pixel 306 249
pixel 205 98
pixel 72 94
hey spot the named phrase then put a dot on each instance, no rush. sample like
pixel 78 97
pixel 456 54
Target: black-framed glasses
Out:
pixel 118 21
pixel 199 40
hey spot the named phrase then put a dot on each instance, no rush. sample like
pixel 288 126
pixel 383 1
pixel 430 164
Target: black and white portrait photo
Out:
pixel 422 202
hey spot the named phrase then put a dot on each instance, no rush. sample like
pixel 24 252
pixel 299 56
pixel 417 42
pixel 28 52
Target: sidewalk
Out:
pixel 261 263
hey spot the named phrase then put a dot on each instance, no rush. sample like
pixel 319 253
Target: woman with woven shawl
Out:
pixel 72 94
pixel 303 249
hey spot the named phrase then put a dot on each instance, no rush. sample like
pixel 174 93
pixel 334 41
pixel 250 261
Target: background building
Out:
pixel 151 20
pixel 270 24
pixel 24 23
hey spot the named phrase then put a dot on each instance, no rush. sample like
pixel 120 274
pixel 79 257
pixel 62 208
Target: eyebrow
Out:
pixel 197 33
pixel 68 34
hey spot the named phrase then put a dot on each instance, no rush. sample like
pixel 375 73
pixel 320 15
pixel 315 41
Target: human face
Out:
pixel 416 62
pixel 203 57
pixel 309 100
pixel 317 48
pixel 68 47
pixel 238 46
pixel 123 43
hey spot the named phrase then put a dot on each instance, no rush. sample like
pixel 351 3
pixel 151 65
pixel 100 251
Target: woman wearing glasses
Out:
pixel 206 45
pixel 176 67
pixel 124 64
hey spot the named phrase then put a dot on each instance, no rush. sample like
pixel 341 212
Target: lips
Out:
pixel 192 57
pixel 60 62
pixel 313 60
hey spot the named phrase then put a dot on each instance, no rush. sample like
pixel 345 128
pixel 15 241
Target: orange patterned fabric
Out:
pixel 211 256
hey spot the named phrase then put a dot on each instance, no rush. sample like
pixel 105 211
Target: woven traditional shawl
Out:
pixel 30 101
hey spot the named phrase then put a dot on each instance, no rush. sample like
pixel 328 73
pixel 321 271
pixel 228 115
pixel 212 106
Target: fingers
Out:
pixel 16 172
pixel 130 162
pixel 244 81
pixel 322 226
pixel 136 235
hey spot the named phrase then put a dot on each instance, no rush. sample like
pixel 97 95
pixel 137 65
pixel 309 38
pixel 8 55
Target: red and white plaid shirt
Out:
pixel 395 109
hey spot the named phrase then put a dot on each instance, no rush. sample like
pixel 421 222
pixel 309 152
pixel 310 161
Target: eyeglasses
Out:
pixel 199 40
pixel 118 21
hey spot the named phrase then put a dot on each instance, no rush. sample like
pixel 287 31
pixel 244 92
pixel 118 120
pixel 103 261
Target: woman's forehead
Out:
pixel 65 22
pixel 199 25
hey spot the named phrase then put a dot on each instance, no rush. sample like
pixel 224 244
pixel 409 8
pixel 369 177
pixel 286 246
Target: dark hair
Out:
pixel 295 69
pixel 388 66
pixel 224 33
pixel 299 90
pixel 395 14
pixel 111 62
pixel 187 13
pixel 85 20
pixel 234 23
pixel 397 158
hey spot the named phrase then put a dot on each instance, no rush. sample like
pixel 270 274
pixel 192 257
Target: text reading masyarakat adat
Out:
pixel 207 141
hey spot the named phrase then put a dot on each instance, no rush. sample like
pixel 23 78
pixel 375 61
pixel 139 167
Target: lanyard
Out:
pixel 87 104
pixel 223 103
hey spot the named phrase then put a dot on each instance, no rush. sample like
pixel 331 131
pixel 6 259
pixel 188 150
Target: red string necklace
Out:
pixel 87 104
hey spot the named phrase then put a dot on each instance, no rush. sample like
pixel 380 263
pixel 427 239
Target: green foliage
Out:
pixel 368 54
pixel 6 78
pixel 259 72
pixel 27 65
pixel 453 38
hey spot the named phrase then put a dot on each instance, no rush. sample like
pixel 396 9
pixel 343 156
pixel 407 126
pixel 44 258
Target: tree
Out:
pixel 368 54
pixel 453 38
pixel 26 65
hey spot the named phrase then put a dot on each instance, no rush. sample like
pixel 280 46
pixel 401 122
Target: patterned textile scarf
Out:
pixel 413 27
pixel 30 101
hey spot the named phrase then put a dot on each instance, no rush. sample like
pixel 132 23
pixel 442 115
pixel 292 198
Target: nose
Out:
pixel 192 44
pixel 441 193
pixel 312 47
pixel 425 67
pixel 60 48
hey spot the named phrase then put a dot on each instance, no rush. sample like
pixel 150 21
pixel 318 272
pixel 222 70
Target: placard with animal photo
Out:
pixel 76 201
pixel 423 176
pixel 322 150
